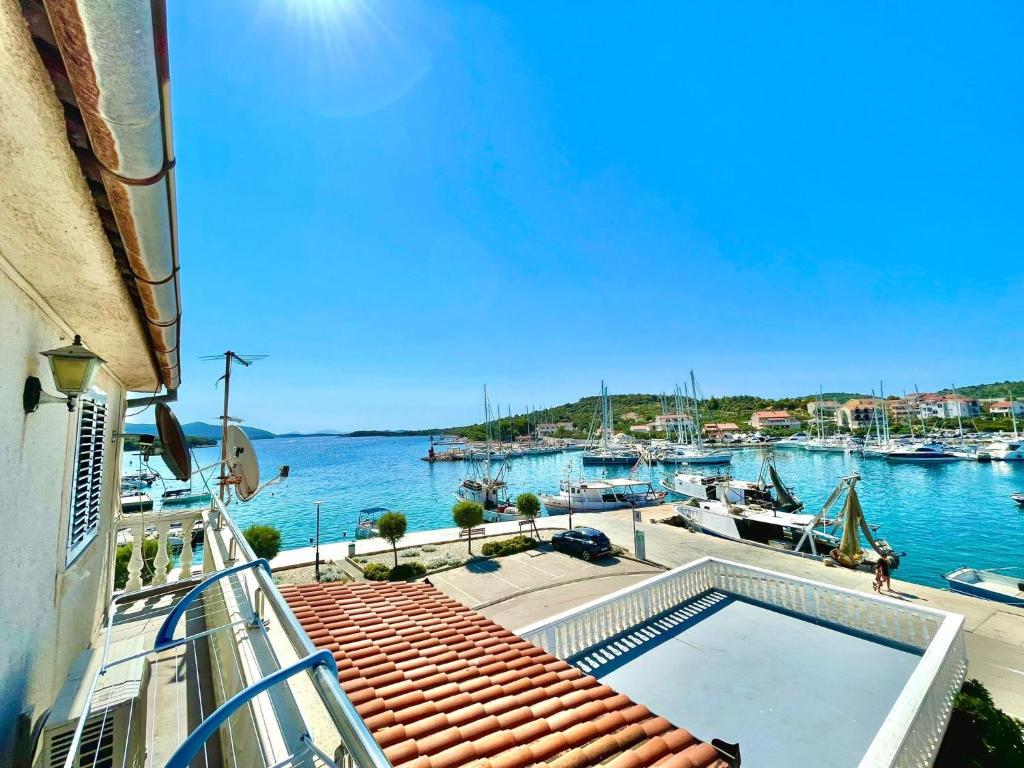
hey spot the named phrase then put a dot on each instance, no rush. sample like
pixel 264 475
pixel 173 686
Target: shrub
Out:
pixel 428 548
pixel 332 573
pixel 406 571
pixel 445 561
pixel 265 540
pixel 979 734
pixel 508 546
pixel 409 553
pixel 391 527
pixel 468 515
pixel 376 572
pixel 124 554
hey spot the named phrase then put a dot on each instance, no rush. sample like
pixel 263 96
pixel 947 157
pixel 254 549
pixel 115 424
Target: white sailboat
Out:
pixel 694 452
pixel 606 452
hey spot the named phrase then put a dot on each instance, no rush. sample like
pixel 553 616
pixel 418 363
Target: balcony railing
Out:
pixel 912 731
pixel 266 692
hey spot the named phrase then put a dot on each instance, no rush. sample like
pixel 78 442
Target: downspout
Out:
pixel 115 52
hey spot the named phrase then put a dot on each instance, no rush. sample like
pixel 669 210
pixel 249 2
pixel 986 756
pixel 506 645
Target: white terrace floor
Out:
pixel 789 690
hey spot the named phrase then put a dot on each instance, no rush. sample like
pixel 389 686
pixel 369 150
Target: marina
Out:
pixel 921 508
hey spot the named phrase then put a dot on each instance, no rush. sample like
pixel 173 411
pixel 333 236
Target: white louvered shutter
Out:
pixel 87 486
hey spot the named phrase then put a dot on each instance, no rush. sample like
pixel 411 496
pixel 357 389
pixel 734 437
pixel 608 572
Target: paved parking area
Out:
pixel 520 589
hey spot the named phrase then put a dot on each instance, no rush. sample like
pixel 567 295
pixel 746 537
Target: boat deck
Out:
pixel 789 690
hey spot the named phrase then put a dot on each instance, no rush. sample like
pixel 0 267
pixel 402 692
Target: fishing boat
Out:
pixel 487 490
pixel 581 495
pixel 988 585
pixel 607 452
pixel 718 487
pixel 927 453
pixel 182 496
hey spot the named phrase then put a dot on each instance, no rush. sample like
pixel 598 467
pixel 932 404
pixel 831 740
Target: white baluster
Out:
pixel 135 563
pixel 161 560
pixel 186 545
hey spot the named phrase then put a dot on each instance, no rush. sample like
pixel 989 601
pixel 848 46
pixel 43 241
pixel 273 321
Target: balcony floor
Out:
pixel 789 690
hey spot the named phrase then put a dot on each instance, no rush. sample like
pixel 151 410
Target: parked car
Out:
pixel 587 543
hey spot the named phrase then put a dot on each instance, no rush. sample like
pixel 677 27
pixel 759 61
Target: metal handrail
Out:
pixel 165 635
pixel 355 736
pixel 190 747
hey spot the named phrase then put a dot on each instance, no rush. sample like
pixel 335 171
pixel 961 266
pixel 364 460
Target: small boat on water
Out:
pixel 581 495
pixel 928 453
pixel 136 502
pixel 182 496
pixel 793 441
pixel 1006 450
pixel 608 452
pixel 140 479
pixel 1018 497
pixel 480 486
pixel 366 522
pixel 696 456
pixel 988 585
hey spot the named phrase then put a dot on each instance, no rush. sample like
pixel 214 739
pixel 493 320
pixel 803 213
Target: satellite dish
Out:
pixel 176 454
pixel 242 465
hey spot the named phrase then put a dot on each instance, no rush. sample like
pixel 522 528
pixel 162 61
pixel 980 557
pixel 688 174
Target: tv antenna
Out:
pixel 229 357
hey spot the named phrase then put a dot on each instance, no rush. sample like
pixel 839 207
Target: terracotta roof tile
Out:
pixel 440 686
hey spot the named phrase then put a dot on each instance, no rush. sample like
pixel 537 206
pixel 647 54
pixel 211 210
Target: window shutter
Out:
pixel 87 483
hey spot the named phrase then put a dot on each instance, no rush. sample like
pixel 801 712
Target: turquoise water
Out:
pixel 943 516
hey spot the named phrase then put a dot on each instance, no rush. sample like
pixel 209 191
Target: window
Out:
pixel 87 482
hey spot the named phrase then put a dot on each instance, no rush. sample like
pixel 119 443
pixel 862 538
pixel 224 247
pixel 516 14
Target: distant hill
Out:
pixel 985 391
pixel 200 429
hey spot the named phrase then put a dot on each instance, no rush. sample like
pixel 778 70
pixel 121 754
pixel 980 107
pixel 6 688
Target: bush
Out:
pixel 508 546
pixel 265 540
pixel 980 735
pixel 407 571
pixel 428 548
pixel 409 553
pixel 124 554
pixel 332 573
pixel 445 561
pixel 376 572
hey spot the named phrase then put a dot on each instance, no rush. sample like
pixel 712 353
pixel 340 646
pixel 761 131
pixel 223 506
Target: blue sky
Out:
pixel 406 200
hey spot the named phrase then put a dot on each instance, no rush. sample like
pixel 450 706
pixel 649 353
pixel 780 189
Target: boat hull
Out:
pixel 558 505
pixel 956 583
pixel 599 460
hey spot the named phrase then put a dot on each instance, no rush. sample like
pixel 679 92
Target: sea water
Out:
pixel 943 516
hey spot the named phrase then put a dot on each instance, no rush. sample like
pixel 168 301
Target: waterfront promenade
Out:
pixel 994 632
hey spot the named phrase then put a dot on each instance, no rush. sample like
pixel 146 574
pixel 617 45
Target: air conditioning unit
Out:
pixel 114 732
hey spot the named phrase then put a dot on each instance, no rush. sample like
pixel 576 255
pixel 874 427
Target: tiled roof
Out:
pixel 441 686
pixel 772 414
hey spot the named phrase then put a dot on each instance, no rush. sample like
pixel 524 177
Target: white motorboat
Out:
pixel 834 444
pixel 793 441
pixel 136 502
pixel 1006 450
pixel 581 495
pixel 181 496
pixel 988 585
pixel 1018 497
pixel 928 453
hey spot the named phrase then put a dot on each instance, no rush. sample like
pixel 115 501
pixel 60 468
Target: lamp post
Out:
pixel 316 566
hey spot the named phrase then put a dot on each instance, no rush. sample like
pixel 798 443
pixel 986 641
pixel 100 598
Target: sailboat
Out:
pixel 1008 450
pixel 693 453
pixel 480 487
pixel 606 452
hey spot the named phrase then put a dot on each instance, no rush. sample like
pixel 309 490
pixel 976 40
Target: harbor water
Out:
pixel 942 516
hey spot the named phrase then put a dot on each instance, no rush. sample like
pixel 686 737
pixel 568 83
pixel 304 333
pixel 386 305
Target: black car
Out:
pixel 588 543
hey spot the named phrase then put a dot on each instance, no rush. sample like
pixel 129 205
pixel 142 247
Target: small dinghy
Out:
pixel 988 585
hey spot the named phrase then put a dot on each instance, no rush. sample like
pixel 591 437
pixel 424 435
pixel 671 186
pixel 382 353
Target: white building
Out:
pixel 548 429
pixel 1005 408
pixel 773 420
pixel 87 248
pixel 962 407
pixel 671 420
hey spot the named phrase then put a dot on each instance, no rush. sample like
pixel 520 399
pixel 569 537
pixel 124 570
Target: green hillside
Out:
pixel 1000 389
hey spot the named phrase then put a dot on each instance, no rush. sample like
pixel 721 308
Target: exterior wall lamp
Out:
pixel 73 367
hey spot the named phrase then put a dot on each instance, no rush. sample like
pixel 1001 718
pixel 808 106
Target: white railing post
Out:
pixel 135 563
pixel 185 561
pixel 161 560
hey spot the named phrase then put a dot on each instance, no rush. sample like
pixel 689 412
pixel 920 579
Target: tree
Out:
pixel 528 506
pixel 265 540
pixel 391 527
pixel 467 515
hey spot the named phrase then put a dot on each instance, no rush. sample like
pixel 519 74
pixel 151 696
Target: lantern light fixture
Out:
pixel 73 367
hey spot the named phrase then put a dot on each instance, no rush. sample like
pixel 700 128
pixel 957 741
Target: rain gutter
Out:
pixel 115 53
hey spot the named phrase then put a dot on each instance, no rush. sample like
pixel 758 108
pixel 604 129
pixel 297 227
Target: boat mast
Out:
pixel 1013 413
pixel 959 422
pixel 487 432
pixel 696 410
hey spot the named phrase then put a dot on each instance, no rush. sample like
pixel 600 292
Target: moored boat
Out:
pixel 581 495
pixel 929 453
pixel 987 585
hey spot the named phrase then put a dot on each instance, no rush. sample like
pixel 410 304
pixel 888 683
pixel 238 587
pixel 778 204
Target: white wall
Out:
pixel 49 612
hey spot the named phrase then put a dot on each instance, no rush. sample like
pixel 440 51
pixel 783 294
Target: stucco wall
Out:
pixel 49 611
